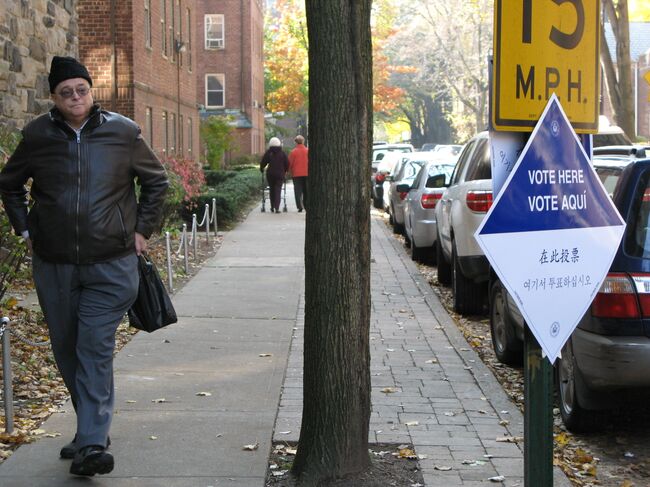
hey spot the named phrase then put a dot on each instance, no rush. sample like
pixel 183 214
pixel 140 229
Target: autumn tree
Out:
pixel 336 403
pixel 285 52
pixel 618 75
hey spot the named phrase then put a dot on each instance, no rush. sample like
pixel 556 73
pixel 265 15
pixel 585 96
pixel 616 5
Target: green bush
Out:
pixel 213 178
pixel 232 195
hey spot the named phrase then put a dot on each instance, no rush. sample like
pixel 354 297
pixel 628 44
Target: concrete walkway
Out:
pixel 191 396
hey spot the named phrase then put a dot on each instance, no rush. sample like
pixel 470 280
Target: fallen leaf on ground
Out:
pixel 498 478
pixel 412 423
pixel 162 399
pixel 510 439
pixel 442 468
pixel 204 394
pixel 388 390
pixel 266 355
pixel 251 447
pixel 406 453
pixel 153 437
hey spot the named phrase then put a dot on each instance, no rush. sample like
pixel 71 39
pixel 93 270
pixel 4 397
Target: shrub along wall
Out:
pixel 232 190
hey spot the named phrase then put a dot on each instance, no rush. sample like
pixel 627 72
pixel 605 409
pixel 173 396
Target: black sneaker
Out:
pixel 69 450
pixel 91 460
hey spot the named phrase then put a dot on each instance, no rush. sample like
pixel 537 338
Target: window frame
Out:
pixel 222 78
pixel 205 33
pixel 147 24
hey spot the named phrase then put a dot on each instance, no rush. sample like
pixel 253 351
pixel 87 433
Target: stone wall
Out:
pixel 31 33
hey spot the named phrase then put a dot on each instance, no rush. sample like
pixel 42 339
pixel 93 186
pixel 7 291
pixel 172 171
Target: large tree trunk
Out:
pixel 336 411
pixel 619 79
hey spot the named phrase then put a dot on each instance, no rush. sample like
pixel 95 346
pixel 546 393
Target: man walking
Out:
pixel 85 228
pixel 298 162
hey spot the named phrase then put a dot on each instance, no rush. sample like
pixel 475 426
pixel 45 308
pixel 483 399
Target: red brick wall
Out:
pixel 241 61
pixel 145 77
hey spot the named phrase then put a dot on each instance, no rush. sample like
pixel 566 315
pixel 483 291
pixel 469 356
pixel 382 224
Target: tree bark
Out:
pixel 336 402
pixel 619 78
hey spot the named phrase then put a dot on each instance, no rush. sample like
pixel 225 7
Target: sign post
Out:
pixel 542 49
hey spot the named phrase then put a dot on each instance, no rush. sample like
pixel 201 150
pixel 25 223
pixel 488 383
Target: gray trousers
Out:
pixel 83 306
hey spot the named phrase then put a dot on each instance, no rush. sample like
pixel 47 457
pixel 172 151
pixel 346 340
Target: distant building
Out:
pixel 142 58
pixel 230 68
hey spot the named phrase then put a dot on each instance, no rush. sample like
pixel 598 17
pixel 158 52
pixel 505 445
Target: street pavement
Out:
pixel 192 396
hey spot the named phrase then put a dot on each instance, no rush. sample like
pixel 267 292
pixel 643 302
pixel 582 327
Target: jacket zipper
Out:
pixel 78 134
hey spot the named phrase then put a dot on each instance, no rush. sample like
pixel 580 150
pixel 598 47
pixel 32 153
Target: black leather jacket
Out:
pixel 84 200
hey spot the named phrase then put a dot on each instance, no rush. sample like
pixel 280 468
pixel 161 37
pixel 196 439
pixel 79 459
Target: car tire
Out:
pixel 378 203
pixel 444 267
pixel 418 254
pixel 507 347
pixel 398 228
pixel 576 418
pixel 467 295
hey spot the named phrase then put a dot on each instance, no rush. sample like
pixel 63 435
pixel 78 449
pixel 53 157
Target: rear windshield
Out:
pixel 637 237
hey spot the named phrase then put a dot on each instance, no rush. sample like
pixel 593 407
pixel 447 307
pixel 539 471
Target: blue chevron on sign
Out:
pixel 552 231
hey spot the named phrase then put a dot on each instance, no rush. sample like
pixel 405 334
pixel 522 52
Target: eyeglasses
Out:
pixel 69 92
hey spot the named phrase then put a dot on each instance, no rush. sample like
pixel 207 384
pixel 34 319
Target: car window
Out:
pixel 482 168
pixel 609 177
pixel 435 170
pixel 462 161
pixel 637 236
pixel 411 169
pixel 418 178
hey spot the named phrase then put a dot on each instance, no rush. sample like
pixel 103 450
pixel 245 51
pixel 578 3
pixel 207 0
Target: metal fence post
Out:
pixel 214 212
pixel 194 236
pixel 170 277
pixel 185 250
pixel 207 223
pixel 7 376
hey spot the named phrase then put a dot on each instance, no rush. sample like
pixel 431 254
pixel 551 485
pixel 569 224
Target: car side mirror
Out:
pixel 437 181
pixel 403 188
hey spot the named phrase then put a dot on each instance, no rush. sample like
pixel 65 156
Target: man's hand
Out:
pixel 28 244
pixel 140 243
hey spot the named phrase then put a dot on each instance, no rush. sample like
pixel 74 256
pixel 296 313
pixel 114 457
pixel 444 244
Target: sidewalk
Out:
pixel 190 397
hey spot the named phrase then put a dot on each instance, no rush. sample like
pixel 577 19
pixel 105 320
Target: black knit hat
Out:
pixel 64 68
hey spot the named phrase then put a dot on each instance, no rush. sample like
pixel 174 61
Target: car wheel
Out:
pixel 398 228
pixel 574 416
pixel 507 347
pixel 417 253
pixel 444 268
pixel 378 203
pixel 467 295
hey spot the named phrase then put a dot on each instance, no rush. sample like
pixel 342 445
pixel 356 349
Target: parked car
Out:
pixel 419 208
pixel 609 135
pixel 378 182
pixel 608 354
pixel 380 150
pixel 427 147
pixel 448 150
pixel 403 173
pixel 461 210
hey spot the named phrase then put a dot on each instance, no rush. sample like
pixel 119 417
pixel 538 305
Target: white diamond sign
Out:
pixel 552 232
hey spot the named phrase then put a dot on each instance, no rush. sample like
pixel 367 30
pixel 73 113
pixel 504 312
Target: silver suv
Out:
pixel 459 212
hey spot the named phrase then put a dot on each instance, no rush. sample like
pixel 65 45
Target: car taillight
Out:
pixel 642 284
pixel 402 194
pixel 616 298
pixel 479 201
pixel 380 177
pixel 430 200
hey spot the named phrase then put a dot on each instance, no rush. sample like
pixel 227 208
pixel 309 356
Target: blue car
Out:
pixel 608 355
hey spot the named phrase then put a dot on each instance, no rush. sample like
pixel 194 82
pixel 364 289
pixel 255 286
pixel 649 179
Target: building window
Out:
pixel 148 126
pixel 163 26
pixel 180 135
pixel 172 123
pixel 189 39
pixel 165 133
pixel 147 23
pixel 214 90
pixel 214 31
pixel 190 136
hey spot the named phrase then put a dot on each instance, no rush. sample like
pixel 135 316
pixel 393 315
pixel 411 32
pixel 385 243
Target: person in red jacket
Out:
pixel 298 162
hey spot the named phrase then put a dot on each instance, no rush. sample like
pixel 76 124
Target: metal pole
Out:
pixel 207 223
pixel 214 212
pixel 538 415
pixel 194 242
pixel 170 277
pixel 185 250
pixel 7 379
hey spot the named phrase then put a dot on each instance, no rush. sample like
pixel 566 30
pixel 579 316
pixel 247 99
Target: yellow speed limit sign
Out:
pixel 543 47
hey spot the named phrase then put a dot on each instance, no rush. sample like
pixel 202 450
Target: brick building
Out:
pixel 141 57
pixel 230 71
